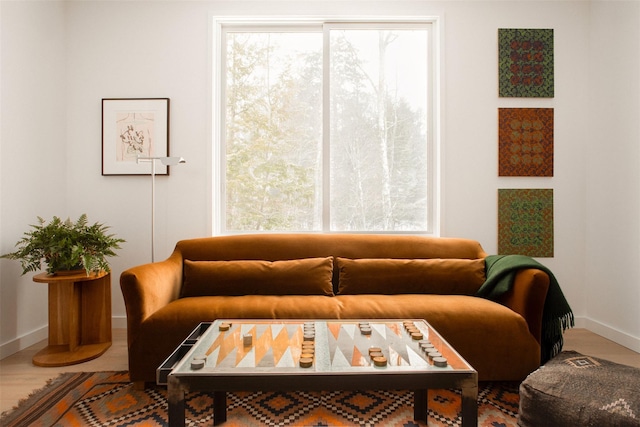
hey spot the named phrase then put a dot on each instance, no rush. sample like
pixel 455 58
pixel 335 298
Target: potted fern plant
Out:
pixel 66 246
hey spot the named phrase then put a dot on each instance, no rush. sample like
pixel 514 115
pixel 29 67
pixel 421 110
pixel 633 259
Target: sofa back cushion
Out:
pixel 410 276
pixel 275 247
pixel 310 276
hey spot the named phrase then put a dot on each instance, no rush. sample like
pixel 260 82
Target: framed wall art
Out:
pixel 525 63
pixel 525 222
pixel 525 141
pixel 133 127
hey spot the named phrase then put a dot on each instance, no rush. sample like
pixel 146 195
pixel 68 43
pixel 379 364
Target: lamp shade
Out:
pixel 171 161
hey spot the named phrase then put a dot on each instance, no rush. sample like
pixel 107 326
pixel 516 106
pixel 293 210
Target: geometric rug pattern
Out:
pixel 109 399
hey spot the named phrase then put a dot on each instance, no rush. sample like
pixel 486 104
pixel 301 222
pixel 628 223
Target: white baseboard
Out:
pixel 119 322
pixel 619 337
pixel 40 334
pixel 20 343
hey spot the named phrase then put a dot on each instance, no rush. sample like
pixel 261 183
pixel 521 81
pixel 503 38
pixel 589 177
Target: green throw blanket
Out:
pixel 557 315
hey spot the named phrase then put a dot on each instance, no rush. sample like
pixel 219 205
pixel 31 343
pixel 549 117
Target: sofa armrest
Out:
pixel 527 296
pixel 147 288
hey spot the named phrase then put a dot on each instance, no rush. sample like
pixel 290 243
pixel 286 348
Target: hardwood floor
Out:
pixel 586 342
pixel 19 377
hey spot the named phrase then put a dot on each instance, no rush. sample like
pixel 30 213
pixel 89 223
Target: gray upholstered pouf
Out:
pixel 577 390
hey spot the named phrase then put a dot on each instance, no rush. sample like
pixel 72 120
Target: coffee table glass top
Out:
pixel 326 346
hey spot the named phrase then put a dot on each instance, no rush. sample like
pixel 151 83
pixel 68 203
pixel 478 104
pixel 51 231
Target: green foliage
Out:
pixel 273 134
pixel 65 245
pixel 274 138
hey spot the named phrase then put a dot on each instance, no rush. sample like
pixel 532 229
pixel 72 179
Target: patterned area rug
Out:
pixel 108 399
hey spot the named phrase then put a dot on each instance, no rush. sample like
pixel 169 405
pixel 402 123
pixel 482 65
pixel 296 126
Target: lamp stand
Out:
pixel 167 161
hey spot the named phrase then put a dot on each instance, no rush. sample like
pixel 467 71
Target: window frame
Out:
pixel 218 109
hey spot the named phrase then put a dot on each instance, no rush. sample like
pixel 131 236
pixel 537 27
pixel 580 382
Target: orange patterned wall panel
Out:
pixel 525 141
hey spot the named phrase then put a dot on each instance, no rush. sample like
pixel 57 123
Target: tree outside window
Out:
pixel 326 141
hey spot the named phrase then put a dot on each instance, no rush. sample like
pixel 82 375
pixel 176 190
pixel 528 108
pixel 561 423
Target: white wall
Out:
pixel 33 153
pixel 162 49
pixel 471 174
pixel 612 286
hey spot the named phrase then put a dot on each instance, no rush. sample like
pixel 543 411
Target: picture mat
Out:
pixel 143 123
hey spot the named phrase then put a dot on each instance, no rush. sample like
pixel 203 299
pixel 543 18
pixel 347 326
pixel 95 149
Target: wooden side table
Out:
pixel 79 318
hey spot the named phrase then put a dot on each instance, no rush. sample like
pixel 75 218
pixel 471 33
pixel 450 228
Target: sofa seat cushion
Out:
pixel 162 332
pixel 309 276
pixel 410 276
pixel 468 323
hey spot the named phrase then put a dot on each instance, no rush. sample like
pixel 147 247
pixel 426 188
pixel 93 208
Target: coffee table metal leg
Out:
pixel 420 408
pixel 219 407
pixel 470 406
pixel 175 397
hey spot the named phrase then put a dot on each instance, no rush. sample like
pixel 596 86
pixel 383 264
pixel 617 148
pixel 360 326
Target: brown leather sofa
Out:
pixel 334 276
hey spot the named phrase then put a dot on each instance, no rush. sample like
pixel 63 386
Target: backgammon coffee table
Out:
pixel 314 355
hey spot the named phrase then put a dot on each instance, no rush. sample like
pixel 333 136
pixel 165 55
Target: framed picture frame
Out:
pixel 132 128
pixel 525 63
pixel 525 222
pixel 525 141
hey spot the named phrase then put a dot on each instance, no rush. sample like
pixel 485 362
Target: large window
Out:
pixel 324 127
